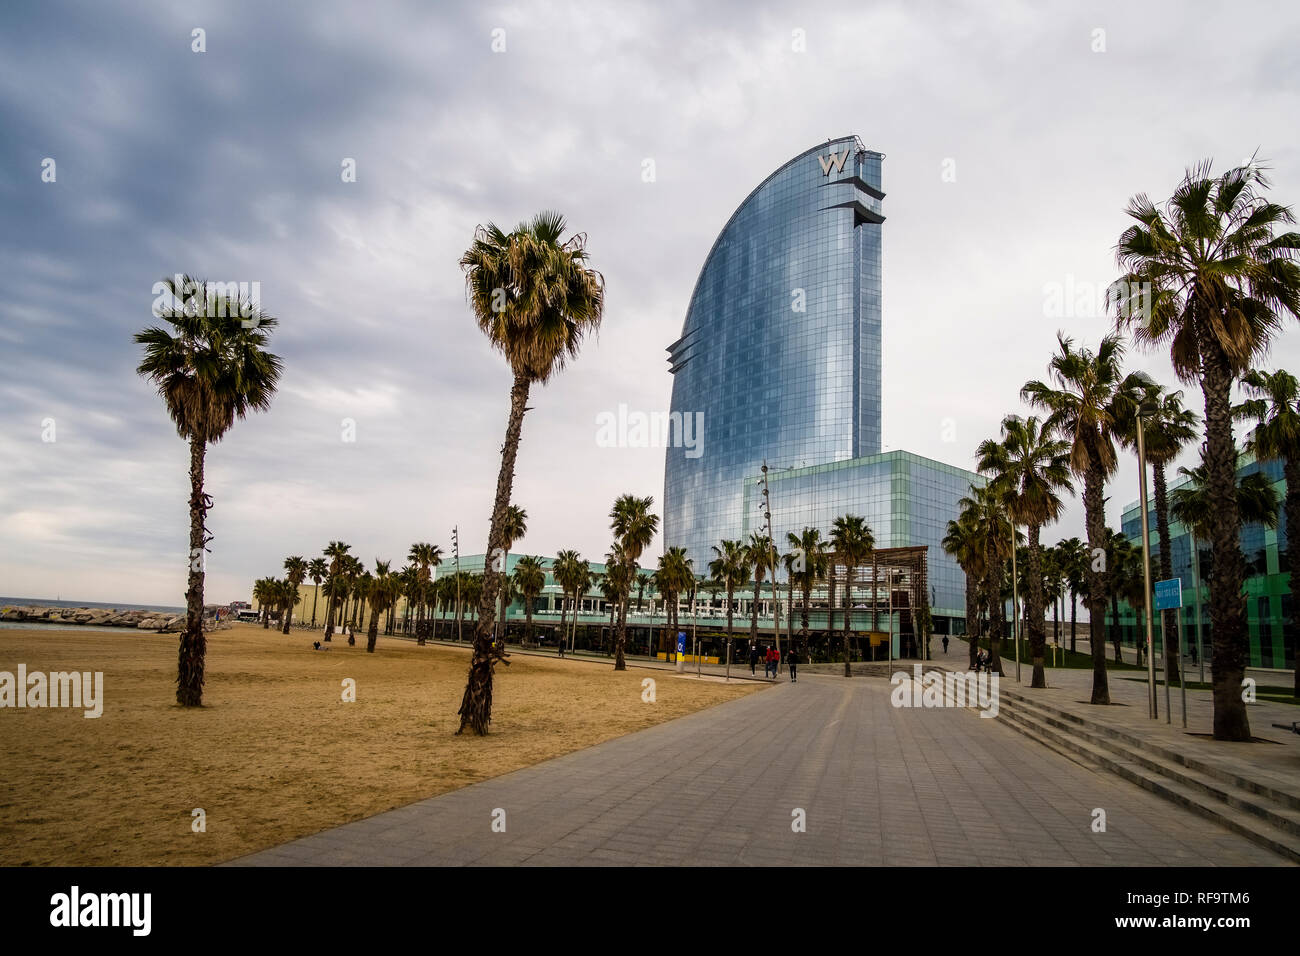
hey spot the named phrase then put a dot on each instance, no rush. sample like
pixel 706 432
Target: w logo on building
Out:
pixel 834 161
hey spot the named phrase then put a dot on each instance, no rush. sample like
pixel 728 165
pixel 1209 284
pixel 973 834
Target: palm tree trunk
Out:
pixel 1115 638
pixel 848 622
pixel 315 593
pixel 1074 617
pixel 1036 606
pixel 476 704
pixel 288 613
pixel 193 645
pixel 1291 510
pixel 1169 618
pixel 830 613
pixel 972 616
pixel 1229 637
pixel 372 634
pixel 620 636
pixel 1095 600
pixel 806 588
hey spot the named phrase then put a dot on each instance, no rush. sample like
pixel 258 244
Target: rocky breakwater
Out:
pixel 100 617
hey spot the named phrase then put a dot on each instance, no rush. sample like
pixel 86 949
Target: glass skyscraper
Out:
pixel 780 355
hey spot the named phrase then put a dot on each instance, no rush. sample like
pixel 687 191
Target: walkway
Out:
pixel 878 785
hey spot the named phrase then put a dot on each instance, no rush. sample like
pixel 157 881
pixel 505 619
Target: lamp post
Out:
pixel 1196 596
pixel 771 549
pixel 455 550
pixel 1015 601
pixel 1146 568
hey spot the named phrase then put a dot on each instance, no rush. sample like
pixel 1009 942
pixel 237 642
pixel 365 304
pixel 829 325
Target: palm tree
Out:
pixel 1028 467
pixel 1074 559
pixel 634 527
pixel 424 556
pixel 1213 280
pixel 378 593
pixel 758 555
pixel 262 595
pixel 211 368
pixel 535 299
pixel 1123 565
pixel 295 571
pixel 853 542
pixel 562 571
pixel 729 570
pixel 580 582
pixel 1089 407
pixel 514 526
pixel 964 541
pixel 1273 406
pixel 807 563
pixel 984 517
pixel 317 569
pixel 1167 429
pixel 674 576
pixel 530 578
pixel 337 552
pixel 1192 506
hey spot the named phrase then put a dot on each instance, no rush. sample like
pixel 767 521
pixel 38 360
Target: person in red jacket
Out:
pixel 772 662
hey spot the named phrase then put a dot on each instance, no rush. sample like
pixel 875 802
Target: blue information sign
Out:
pixel 681 642
pixel 1169 594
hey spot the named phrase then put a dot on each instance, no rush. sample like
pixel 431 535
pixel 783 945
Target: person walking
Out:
pixel 792 661
pixel 772 661
pixel 945 643
pixel 753 660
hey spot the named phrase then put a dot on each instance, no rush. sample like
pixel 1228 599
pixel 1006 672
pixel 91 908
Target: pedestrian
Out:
pixel 561 650
pixel 792 660
pixel 772 663
pixel 753 660
pixel 945 643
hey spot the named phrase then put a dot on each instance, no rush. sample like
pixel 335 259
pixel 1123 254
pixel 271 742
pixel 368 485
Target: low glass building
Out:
pixel 779 361
pixel 1268 588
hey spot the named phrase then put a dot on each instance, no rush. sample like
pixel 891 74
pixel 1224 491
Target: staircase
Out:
pixel 1265 815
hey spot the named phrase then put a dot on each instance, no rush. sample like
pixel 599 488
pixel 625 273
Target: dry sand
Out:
pixel 275 753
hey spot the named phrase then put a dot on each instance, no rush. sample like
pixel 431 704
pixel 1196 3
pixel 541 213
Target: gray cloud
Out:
pixel 227 164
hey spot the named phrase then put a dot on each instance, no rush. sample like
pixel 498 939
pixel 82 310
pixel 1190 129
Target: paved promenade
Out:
pixel 877 785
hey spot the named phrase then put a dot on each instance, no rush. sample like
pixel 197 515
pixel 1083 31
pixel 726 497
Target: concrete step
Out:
pixel 1273 827
pixel 1134 743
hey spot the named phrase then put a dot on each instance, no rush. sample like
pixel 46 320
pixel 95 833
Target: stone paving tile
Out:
pixel 878 785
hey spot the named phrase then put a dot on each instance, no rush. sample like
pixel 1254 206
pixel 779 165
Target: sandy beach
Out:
pixel 275 753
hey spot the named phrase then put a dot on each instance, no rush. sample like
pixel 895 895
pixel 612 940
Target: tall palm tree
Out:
pixel 535 299
pixel 983 515
pixel 295 571
pixel 853 542
pixel 530 578
pixel 1211 277
pixel 634 527
pixel 1074 567
pixel 317 569
pixel 758 555
pixel 1123 565
pixel 729 570
pixel 379 593
pixel 675 576
pixel 562 571
pixel 580 582
pixel 424 556
pixel 1090 406
pixel 210 368
pixel 965 542
pixel 1029 466
pixel 1273 407
pixel 807 565
pixel 336 552
pixel 1167 428
pixel 1192 506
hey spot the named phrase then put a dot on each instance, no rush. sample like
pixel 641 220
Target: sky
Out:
pixel 1014 136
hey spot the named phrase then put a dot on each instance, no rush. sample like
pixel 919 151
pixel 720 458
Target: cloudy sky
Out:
pixel 227 163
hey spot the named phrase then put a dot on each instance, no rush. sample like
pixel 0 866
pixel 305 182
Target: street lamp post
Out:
pixel 455 549
pixel 1015 601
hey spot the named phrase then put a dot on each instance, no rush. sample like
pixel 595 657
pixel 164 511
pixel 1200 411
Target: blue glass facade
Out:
pixel 1268 581
pixel 780 353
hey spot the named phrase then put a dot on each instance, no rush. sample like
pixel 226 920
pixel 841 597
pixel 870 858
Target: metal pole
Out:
pixel 1164 664
pixel 455 543
pixel 695 623
pixel 771 547
pixel 1146 568
pixel 1182 679
pixel 1015 601
pixel 1196 594
pixel 891 616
